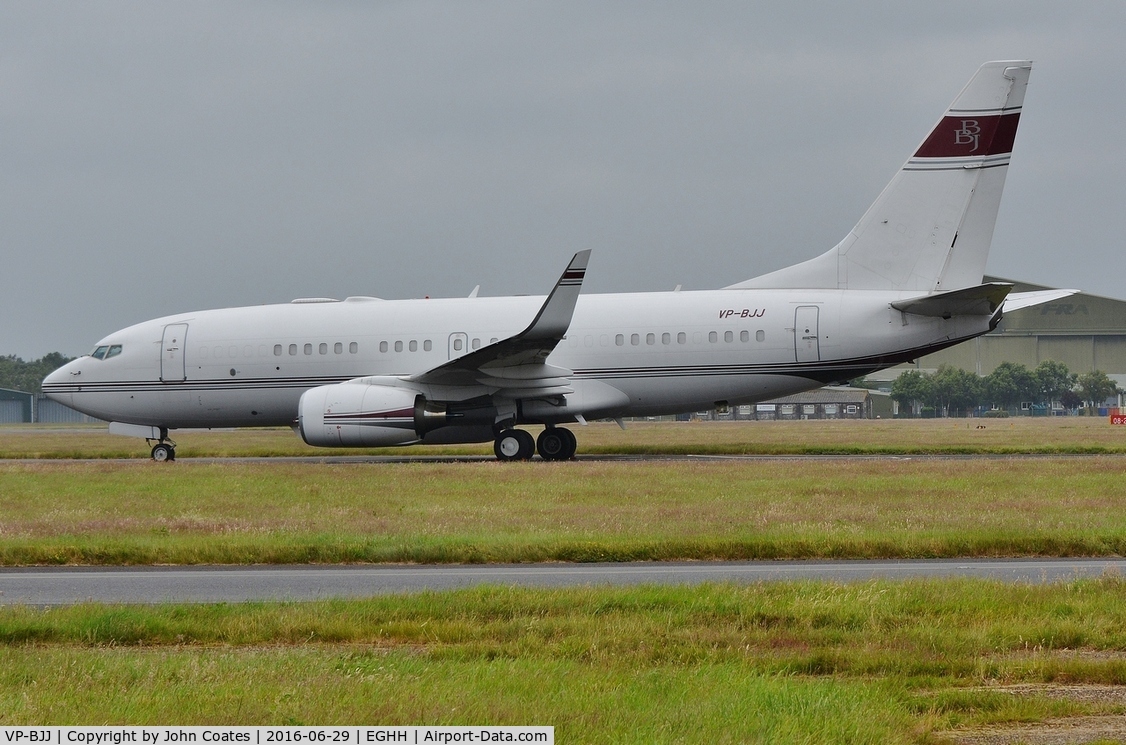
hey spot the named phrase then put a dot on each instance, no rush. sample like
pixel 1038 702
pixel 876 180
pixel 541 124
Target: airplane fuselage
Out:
pixel 635 354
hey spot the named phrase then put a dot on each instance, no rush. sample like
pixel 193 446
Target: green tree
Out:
pixel 1010 384
pixel 911 390
pixel 1053 380
pixel 1071 400
pixel 954 389
pixel 1096 387
pixel 18 375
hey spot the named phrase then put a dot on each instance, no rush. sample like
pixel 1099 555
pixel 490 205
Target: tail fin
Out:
pixel 931 227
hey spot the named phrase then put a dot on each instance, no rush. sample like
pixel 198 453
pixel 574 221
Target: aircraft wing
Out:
pixel 516 366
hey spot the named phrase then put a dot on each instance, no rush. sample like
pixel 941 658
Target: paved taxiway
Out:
pixel 64 585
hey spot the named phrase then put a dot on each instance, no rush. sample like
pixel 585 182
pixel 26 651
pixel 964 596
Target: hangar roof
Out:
pixel 1081 313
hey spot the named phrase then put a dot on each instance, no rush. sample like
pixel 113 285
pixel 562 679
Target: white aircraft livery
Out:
pixel 363 372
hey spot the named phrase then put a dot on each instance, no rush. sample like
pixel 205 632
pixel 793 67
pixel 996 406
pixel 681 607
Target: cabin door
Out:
pixel 172 366
pixel 806 346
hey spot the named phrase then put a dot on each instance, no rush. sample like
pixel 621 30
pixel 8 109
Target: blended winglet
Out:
pixel 495 365
pixel 554 317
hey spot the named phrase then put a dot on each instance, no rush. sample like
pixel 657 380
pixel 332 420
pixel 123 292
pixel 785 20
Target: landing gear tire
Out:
pixel 556 443
pixel 514 444
pixel 572 443
pixel 163 452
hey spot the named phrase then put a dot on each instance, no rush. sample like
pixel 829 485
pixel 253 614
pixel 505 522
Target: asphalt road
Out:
pixel 65 586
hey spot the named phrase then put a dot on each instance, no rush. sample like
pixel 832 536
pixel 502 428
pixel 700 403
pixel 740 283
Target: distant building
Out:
pixel 830 402
pixel 20 407
pixel 16 407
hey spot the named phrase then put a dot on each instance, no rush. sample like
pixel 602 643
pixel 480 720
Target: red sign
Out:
pixel 1118 418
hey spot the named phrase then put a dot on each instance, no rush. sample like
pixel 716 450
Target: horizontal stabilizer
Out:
pixel 1019 300
pixel 982 300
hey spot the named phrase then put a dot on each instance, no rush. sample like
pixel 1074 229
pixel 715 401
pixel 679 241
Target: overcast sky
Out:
pixel 166 157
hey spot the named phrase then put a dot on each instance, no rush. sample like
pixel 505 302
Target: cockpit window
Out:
pixel 106 351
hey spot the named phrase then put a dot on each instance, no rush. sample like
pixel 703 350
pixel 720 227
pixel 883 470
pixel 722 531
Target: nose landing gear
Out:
pixel 164 451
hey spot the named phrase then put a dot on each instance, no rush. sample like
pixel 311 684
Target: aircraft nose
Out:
pixel 64 376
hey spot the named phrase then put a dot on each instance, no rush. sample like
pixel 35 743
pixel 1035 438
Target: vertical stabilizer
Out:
pixel 931 227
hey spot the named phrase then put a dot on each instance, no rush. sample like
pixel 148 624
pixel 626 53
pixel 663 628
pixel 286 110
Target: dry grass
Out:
pixel 250 512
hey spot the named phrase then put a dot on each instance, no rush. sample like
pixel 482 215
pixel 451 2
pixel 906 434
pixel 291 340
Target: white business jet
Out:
pixel 363 372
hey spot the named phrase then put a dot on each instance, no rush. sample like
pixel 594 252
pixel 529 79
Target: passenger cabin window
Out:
pixel 681 338
pixel 338 348
pixel 398 346
pixel 413 346
pixel 744 335
pixel 713 337
pixel 620 340
pixel 277 350
pixel 476 343
pixel 323 348
pixel 308 349
pixel 353 348
pixel 728 336
pixel 382 346
pixel 634 339
pixel 760 335
pixel 427 345
pixel 666 338
pixel 650 338
pixel 457 345
pixel 292 350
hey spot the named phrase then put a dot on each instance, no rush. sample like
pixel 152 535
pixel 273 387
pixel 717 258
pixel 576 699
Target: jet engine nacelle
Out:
pixel 360 415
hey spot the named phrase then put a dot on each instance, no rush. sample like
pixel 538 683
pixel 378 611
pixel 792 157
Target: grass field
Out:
pixel 1062 435
pixel 878 662
pixel 136 512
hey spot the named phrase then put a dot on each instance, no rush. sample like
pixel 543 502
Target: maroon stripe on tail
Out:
pixel 971 136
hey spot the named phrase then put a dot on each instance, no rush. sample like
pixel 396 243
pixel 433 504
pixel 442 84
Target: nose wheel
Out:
pixel 163 452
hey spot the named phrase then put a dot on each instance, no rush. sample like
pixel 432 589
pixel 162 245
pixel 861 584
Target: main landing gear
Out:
pixel 554 443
